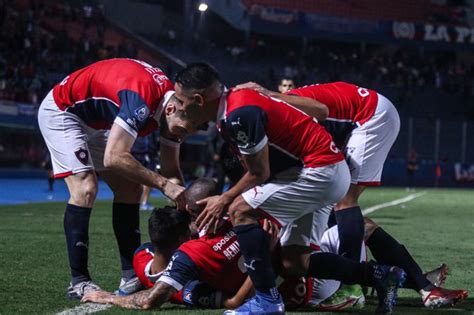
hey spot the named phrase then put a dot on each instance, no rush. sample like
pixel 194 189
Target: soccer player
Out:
pixel 285 85
pixel 212 258
pixel 253 122
pixel 365 125
pixel 386 250
pixel 90 121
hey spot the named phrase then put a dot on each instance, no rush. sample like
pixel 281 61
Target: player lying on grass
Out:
pixel 213 258
pixel 325 294
pixel 89 122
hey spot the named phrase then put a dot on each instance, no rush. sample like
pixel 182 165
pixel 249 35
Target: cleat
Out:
pixel 439 297
pixel 146 207
pixel 387 281
pixel 78 290
pixel 438 276
pixel 129 286
pixel 259 305
pixel 346 297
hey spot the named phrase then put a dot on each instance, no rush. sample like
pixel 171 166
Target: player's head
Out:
pixel 174 123
pixel 195 86
pixel 168 228
pixel 201 188
pixel 285 85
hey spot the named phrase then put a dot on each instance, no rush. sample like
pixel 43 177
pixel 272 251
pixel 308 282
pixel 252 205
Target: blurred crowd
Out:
pixel 34 57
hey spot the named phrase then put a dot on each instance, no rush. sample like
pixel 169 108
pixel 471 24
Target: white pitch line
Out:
pixel 393 202
pixel 86 308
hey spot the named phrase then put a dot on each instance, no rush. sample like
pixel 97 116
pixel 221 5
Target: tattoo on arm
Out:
pixel 153 297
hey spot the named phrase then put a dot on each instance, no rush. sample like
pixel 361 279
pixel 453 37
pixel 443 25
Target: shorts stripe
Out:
pixel 369 183
pixel 62 175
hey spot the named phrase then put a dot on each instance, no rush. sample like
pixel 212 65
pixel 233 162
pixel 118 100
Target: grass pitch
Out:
pixel 437 227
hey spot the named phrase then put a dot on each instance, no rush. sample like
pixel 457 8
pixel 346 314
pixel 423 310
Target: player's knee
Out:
pixel 129 192
pixel 85 193
pixel 369 228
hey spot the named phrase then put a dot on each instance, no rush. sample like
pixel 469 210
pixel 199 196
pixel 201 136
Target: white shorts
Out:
pixel 74 147
pixel 368 145
pixel 295 195
pixel 322 289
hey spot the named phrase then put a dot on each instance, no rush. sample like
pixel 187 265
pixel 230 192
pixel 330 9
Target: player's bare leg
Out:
pixel 350 223
pixel 126 224
pixel 83 190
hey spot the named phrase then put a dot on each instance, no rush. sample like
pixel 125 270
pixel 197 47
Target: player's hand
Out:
pixel 273 232
pixel 99 296
pixel 176 193
pixel 252 86
pixel 212 215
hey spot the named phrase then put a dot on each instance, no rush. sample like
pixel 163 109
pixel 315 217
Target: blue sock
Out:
pixel 386 250
pixel 126 223
pixel 255 247
pixel 76 229
pixel 350 225
pixel 333 266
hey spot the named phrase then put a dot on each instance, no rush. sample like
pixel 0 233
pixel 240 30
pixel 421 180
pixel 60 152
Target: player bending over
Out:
pixel 89 122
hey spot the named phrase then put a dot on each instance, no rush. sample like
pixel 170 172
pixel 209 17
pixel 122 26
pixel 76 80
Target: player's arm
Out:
pixel 146 299
pixel 310 106
pixel 169 159
pixel 246 127
pixel 119 158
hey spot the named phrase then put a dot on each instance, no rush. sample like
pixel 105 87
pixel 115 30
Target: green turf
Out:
pixel 437 227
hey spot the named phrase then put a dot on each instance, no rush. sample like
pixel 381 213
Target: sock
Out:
pixel 76 229
pixel 50 183
pixel 332 266
pixel 255 247
pixel 126 223
pixel 386 250
pixel 350 225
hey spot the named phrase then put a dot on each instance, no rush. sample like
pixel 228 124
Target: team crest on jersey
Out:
pixel 82 155
pixel 142 113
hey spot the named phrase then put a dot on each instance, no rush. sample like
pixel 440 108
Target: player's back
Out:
pixel 105 79
pixel 286 127
pixel 218 259
pixel 345 101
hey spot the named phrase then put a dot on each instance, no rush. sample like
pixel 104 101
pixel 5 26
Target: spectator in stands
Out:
pixel 412 167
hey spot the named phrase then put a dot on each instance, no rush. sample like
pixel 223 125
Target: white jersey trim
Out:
pixel 254 149
pixel 168 280
pixel 119 121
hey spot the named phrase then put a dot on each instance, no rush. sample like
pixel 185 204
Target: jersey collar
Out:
pixel 222 106
pixel 164 101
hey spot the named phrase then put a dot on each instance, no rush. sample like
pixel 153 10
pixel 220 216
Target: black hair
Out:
pixel 287 79
pixel 197 76
pixel 200 189
pixel 167 226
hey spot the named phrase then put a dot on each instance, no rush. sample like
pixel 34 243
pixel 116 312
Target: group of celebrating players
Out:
pixel 288 234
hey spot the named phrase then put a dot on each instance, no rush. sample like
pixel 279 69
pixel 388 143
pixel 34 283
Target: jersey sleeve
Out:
pixel 246 127
pixel 179 271
pixel 134 112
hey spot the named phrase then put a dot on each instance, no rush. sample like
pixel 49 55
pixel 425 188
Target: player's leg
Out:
pixel 387 250
pixel 255 248
pixel 125 219
pixel 365 151
pixel 66 139
pixel 350 223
